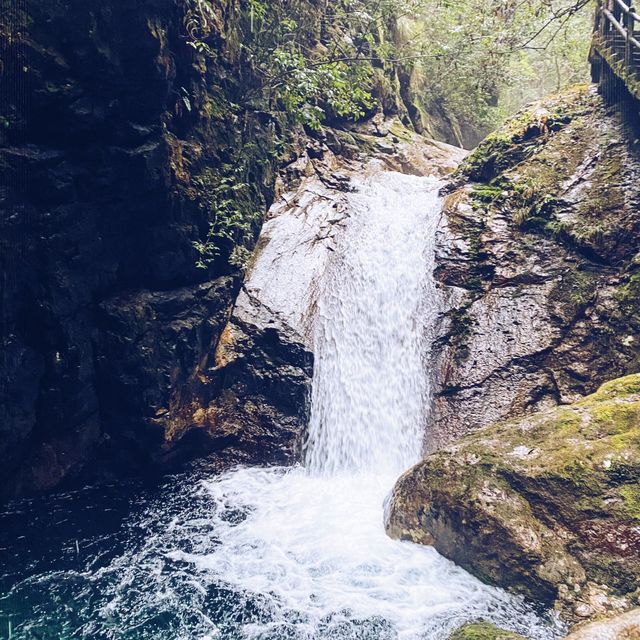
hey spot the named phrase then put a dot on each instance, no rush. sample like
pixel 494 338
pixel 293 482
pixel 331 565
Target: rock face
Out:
pixel 128 127
pixel 109 147
pixel 546 505
pixel 539 253
pixel 258 389
pixel 622 627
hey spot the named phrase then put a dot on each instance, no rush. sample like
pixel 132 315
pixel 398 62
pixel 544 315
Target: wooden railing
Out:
pixel 617 42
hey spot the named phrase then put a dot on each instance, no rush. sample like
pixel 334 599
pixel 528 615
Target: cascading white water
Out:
pixel 373 328
pixel 311 542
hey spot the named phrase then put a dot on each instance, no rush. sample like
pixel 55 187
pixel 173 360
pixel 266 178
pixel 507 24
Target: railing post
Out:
pixel 604 25
pixel 597 27
pixel 628 53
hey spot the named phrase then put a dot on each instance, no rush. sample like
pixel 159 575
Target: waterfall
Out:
pixel 301 553
pixel 307 546
pixel 371 386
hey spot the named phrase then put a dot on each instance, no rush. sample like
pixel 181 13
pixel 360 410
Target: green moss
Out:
pixel 523 169
pixel 486 193
pixel 489 158
pixel 460 328
pixel 566 419
pixel 621 387
pixel 580 474
pixel 558 492
pixel 484 631
pixel 398 130
pixel 576 289
pixel 615 418
pixel 522 136
pixel 628 297
pixel 631 496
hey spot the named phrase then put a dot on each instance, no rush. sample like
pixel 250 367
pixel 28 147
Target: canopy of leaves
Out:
pixel 474 60
pixel 481 60
pixel 471 62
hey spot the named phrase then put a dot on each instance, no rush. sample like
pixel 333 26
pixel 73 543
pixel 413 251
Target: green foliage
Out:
pixel 331 62
pixel 628 297
pixel 314 63
pixel 308 92
pixel 481 60
pixel 484 631
pixel 476 61
pixel 315 67
pixel 232 218
pixel 198 20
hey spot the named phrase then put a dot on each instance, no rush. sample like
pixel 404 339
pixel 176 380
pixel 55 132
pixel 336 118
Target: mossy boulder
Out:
pixel 484 631
pixel 547 506
pixel 524 134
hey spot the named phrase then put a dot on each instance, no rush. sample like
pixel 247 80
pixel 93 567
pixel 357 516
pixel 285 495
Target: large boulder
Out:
pixel 547 506
pixel 538 252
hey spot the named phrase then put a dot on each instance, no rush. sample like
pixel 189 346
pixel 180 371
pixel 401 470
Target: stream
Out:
pixel 275 553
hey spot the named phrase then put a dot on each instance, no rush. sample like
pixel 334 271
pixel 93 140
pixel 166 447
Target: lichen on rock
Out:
pixel 484 631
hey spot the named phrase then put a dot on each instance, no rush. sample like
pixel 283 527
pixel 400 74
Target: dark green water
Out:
pixel 91 564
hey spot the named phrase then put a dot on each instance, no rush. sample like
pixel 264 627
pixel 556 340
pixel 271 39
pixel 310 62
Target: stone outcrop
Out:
pixel 114 132
pixel 545 505
pixel 623 627
pixel 256 391
pixel 127 129
pixel 539 254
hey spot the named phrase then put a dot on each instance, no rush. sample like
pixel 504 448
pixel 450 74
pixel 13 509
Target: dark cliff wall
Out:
pixel 114 131
pixel 120 142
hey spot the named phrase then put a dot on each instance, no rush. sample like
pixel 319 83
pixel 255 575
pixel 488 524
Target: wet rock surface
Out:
pixel 545 505
pixel 115 135
pixel 118 143
pixel 538 252
pixel 258 394
pixel 258 389
pixel 623 627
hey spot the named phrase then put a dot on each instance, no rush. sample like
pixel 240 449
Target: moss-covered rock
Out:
pixel 484 631
pixel 546 506
pixel 522 136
